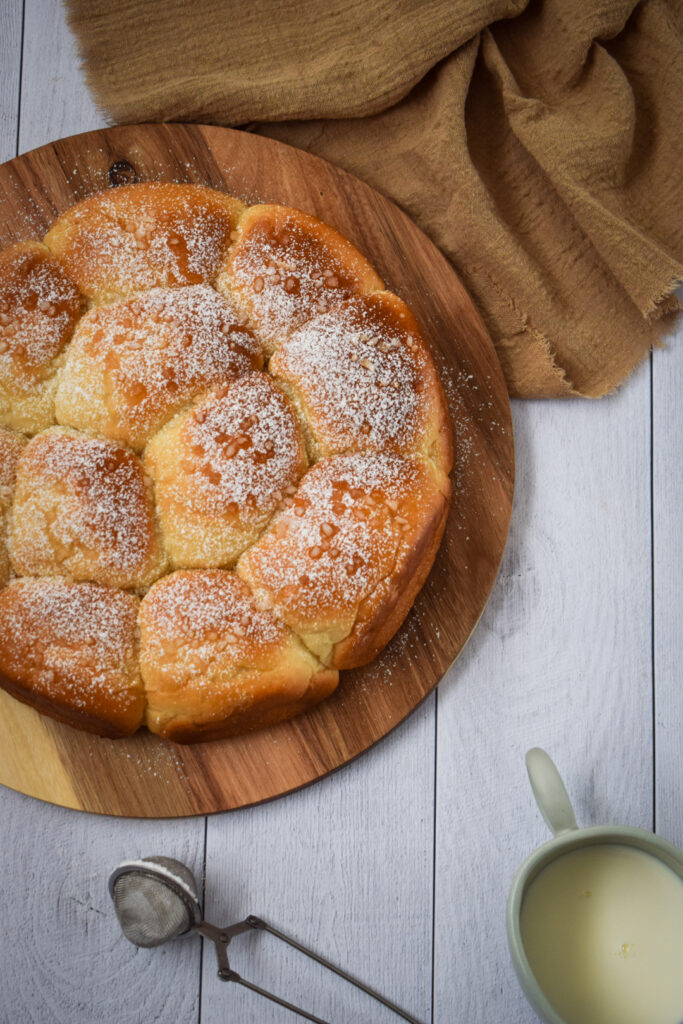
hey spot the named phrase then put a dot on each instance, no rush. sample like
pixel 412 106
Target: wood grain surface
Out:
pixel 148 777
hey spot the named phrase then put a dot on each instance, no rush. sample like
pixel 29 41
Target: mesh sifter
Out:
pixel 156 900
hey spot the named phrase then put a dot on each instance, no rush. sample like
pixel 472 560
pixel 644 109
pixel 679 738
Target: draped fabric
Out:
pixel 539 144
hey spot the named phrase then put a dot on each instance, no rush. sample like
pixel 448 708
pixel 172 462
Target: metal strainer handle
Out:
pixel 176 885
pixel 259 923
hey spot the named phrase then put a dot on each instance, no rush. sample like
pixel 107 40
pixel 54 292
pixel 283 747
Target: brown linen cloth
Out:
pixel 539 144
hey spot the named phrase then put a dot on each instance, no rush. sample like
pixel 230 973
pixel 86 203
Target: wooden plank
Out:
pixel 345 867
pixel 668 583
pixel 561 659
pixel 54 99
pixel 64 958
pixel 370 700
pixel 10 68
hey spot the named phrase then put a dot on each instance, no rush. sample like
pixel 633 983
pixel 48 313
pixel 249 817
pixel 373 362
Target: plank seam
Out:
pixel 201 937
pixel 21 76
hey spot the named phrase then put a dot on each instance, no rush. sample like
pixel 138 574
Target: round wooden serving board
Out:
pixel 145 776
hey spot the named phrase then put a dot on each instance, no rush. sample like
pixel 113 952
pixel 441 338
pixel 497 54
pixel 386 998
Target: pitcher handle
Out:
pixel 550 793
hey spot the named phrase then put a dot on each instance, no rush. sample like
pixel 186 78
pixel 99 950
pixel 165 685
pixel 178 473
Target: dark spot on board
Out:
pixel 122 173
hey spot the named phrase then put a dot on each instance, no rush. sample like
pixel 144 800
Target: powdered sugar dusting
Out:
pixel 247 446
pixel 339 538
pixel 136 237
pixel 83 507
pixel 360 370
pixel 70 638
pixel 133 364
pixel 11 447
pixel 222 468
pixel 173 368
pixel 201 609
pixel 285 268
pixel 39 306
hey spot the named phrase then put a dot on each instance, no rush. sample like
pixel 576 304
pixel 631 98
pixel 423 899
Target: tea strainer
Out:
pixel 156 899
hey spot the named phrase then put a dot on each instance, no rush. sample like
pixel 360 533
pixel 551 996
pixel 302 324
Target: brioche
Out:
pixel 363 380
pixel 342 557
pixel 39 307
pixel 132 365
pixel 70 649
pixel 222 468
pixel 224 459
pixel 213 663
pixel 83 508
pixel 136 237
pixel 285 267
pixel 11 446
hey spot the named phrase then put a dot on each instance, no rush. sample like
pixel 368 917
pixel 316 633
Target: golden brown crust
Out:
pixel 11 447
pixel 222 468
pixel 286 266
pixel 132 365
pixel 383 614
pixel 326 562
pixel 39 307
pixel 83 508
pixel 363 380
pixel 213 664
pixel 135 237
pixel 70 650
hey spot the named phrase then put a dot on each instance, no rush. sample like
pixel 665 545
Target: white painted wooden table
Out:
pixel 399 865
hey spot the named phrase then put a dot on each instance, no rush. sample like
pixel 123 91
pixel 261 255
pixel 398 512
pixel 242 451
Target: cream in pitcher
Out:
pixel 595 917
pixel 602 927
